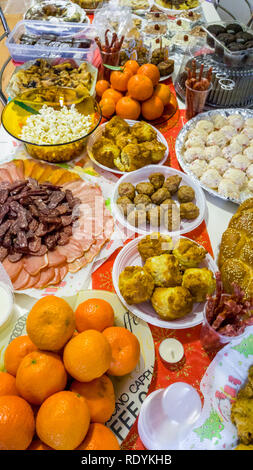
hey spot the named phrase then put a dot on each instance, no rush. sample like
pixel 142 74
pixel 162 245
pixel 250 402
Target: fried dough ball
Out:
pixel 135 285
pixel 143 131
pixel 189 211
pixel 172 183
pixel 122 140
pixel 154 244
pixel 105 152
pixel 145 188
pixel 127 189
pixel 142 199
pixel 168 203
pixel 154 216
pixel 164 270
pixel 157 180
pixel 131 158
pixel 160 195
pixel 137 218
pixel 188 253
pixel 157 150
pixel 171 303
pixel 125 204
pixel 185 194
pixel 171 218
pixel 200 283
pixel 116 126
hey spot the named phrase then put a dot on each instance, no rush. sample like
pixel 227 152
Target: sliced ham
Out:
pixel 34 264
pixel 63 271
pixel 46 275
pixel 32 281
pixel 13 269
pixel 13 171
pixel 72 250
pixel 5 176
pixel 55 258
pixel 57 277
pixel 77 264
pixel 22 280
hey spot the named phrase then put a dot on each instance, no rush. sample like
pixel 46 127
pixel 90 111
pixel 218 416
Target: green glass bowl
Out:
pixel 17 111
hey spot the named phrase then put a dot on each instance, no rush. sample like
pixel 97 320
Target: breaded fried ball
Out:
pixel 189 210
pixel 189 253
pixel 137 218
pixel 171 303
pixel 185 194
pixel 154 244
pixel 160 195
pixel 125 204
pixel 145 188
pixel 153 216
pixel 157 180
pixel 143 131
pixel 142 199
pixel 135 285
pixel 127 189
pixel 200 283
pixel 164 270
pixel 172 183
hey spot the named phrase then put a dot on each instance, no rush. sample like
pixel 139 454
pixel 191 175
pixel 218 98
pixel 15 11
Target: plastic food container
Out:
pixel 231 58
pixel 68 40
pixel 56 12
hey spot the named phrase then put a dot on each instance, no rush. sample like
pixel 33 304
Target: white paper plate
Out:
pixel 142 175
pixel 98 133
pixel 129 256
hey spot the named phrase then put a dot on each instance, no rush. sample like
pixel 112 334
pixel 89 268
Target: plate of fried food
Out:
pixel 164 281
pixel 158 198
pixel 123 145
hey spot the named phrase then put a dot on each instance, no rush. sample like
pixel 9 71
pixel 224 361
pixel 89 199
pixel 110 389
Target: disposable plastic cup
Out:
pixel 195 101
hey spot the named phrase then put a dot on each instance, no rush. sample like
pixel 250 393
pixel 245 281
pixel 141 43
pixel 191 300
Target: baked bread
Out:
pixel 236 250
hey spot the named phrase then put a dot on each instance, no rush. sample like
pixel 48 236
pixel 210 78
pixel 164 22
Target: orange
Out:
pixel 140 87
pixel 112 94
pixel 16 351
pixel 125 350
pixel 163 92
pixel 100 397
pixel 87 356
pixel 17 424
pixel 38 445
pixel 132 65
pixel 127 108
pixel 99 437
pixel 151 71
pixel 94 314
pixel 50 323
pixel 39 375
pixel 101 86
pixel 119 79
pixel 63 420
pixel 7 384
pixel 152 108
pixel 107 106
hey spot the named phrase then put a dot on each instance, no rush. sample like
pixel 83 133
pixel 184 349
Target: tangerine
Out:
pixel 99 437
pixel 112 94
pixel 125 350
pixel 50 323
pixel 132 65
pixel 63 420
pixel 119 79
pixel 7 384
pixel 39 375
pixel 101 86
pixel 94 314
pixel 152 108
pixel 163 92
pixel 127 108
pixel 107 106
pixel 100 396
pixel 151 71
pixel 87 356
pixel 16 351
pixel 140 87
pixel 17 424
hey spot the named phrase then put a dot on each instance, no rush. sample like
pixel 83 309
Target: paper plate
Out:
pixel 129 256
pixel 98 133
pixel 131 389
pixel 142 175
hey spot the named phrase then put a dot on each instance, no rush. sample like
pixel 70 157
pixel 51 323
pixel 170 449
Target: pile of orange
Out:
pixel 133 91
pixel 56 392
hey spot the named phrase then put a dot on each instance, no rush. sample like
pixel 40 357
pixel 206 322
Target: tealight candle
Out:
pixel 6 304
pixel 171 352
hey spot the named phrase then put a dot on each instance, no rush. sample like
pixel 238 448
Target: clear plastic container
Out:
pixel 75 41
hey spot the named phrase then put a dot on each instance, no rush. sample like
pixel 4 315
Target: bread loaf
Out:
pixel 236 250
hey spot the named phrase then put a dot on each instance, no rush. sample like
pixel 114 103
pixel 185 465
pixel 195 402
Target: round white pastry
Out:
pixel 248 131
pixel 198 167
pixel 248 122
pixel 192 153
pixel 211 152
pixel 236 120
pixel 240 161
pixel 198 133
pixel 219 121
pixel 227 188
pixel 211 178
pixel 220 164
pixel 250 184
pixel 241 139
pixel 231 150
pixel 229 131
pixel 250 171
pixel 249 152
pixel 237 176
pixel 194 141
pixel 204 125
pixel 217 138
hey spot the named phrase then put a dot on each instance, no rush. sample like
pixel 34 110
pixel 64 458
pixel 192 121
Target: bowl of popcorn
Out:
pixel 53 123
